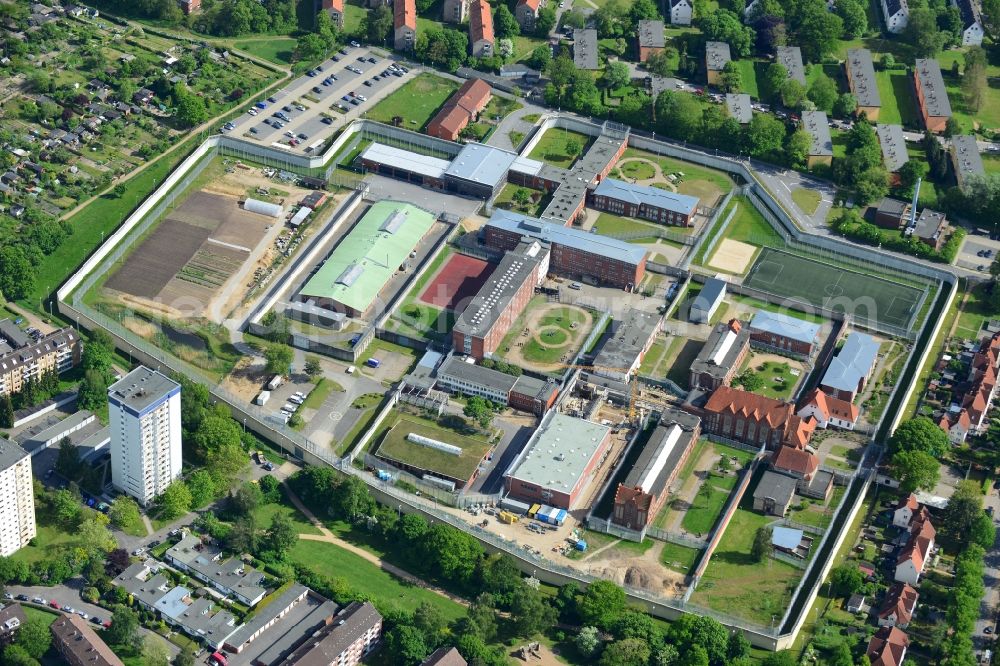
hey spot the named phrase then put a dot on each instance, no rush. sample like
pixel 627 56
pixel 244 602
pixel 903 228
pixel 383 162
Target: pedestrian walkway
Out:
pixel 327 536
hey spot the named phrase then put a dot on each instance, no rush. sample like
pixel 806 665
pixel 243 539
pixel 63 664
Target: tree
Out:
pixel 124 629
pixel 658 63
pixel 309 47
pixel 155 651
pixel 281 535
pixel 540 58
pixel 124 512
pixel 66 507
pixel 175 501
pixel 17 275
pixel 202 487
pixel 183 658
pixel 846 579
pixel 775 76
pixel 191 108
pixel 530 613
pixel 823 92
pixel 749 380
pixel 616 75
pixel 678 115
pixel 377 24
pixel 983 532
pixel 573 147
pixel 15 655
pixel 961 514
pixel 951 128
pixel 313 368
pixel 431 622
pixel 765 134
pixel 923 34
pixel 6 411
pixel 601 604
pixel 225 464
pixel 350 499
pixel 731 78
pixel 628 652
pixel 505 24
pixel 34 636
pixel 920 434
pixel 546 20
pixel 974 78
pixel 845 105
pixel 406 645
pixel 854 16
pixel 761 547
pixel 245 499
pixel 68 461
pixel 725 26
pixel 480 409
pixel 814 28
pixel 915 470
pixel 792 93
pixel 279 358
pixel 991 18
pixel 588 642
pixel 797 148
pixel 871 184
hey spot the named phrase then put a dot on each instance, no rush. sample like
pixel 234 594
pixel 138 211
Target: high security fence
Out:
pixel 778 636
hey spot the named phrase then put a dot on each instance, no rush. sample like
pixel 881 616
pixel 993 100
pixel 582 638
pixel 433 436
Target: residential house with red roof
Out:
pixel 888 647
pixel 957 425
pixel 918 549
pixel 481 38
pixel 898 607
pixel 902 515
pixel 829 411
pixel 755 419
pixel 461 108
pixel 526 13
pixel 335 8
pixel 404 24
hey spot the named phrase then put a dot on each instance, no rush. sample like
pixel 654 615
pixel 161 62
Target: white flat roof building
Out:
pixel 145 414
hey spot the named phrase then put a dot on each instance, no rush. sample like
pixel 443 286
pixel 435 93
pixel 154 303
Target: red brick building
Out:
pixel 783 334
pixel 576 254
pixel 462 108
pixel 755 419
pixel 485 321
pixel 932 96
pixel 641 496
pixel 648 203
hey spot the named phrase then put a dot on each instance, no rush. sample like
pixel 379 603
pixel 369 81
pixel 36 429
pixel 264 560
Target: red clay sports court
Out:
pixel 457 281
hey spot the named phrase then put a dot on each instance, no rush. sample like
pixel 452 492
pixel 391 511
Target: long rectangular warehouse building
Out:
pixel 576 254
pixel 365 260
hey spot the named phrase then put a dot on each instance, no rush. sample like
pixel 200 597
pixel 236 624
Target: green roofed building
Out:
pixel 363 262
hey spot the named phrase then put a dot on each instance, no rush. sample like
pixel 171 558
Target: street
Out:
pixel 991 579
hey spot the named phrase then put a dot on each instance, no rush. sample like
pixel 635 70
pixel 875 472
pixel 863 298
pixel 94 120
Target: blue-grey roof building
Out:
pixel 479 170
pixel 850 369
pixel 781 333
pixel 650 203
pixel 707 301
pixel 575 253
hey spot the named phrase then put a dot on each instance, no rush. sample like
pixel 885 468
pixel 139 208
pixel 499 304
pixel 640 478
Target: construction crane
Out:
pixel 632 388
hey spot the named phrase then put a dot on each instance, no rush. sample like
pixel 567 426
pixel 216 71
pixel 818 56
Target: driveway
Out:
pixel 514 122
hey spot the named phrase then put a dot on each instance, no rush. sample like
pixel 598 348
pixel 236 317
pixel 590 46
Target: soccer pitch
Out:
pixel 866 298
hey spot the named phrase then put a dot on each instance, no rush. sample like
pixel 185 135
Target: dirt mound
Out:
pixel 636 577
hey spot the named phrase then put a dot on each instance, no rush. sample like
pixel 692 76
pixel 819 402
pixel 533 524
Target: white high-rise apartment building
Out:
pixel 17 498
pixel 145 414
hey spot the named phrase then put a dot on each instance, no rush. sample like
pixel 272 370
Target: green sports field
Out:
pixel 866 298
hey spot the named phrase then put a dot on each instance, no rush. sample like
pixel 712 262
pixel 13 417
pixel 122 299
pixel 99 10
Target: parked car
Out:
pixel 54 604
pixel 22 597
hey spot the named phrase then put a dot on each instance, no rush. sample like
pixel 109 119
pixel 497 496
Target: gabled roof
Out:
pixel 480 22
pixel 928 73
pixel 549 232
pixel 901 601
pixel 651 34
pixel 970 12
pixel 717 54
pixel 786 326
pixel 831 407
pixel 530 4
pixel 893 143
pixel 861 75
pixel 777 415
pixel 895 6
pixel 852 363
pixel 818 127
pixel 738 106
pixel 404 13
pixel 909 502
pixel 888 646
pixel 790 459
pixel 791 58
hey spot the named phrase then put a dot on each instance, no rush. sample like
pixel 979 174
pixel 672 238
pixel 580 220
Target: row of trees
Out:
pixel 612 634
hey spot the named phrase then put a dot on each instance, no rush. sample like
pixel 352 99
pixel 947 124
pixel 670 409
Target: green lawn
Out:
pixel 276 49
pixel 539 200
pixel 748 76
pixel 692 179
pixel 652 357
pixel 265 513
pixel 750 227
pixel 552 147
pixel 416 102
pixel 898 108
pixel 424 320
pixel 316 397
pixel 385 590
pixel 354 434
pixel 705 508
pixel 43 545
pixel 771 307
pixel 608 225
pixel 354 15
pixel 735 584
pixel 678 558
pixel 686 353
pixel 778 378
pixel 807 200
pixel 637 169
pixel 45 616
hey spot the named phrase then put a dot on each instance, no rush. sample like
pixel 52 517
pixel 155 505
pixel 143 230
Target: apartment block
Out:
pixel 145 415
pixel 23 358
pixel 17 500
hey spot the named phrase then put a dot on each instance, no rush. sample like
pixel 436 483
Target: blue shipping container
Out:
pixel 372 363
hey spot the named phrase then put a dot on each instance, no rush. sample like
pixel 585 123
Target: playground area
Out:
pixel 547 335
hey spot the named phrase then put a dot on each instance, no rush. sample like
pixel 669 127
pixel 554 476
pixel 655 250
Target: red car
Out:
pixel 55 604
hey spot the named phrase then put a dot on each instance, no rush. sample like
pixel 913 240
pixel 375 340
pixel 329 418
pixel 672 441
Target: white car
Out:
pixel 252 112
pixel 138 551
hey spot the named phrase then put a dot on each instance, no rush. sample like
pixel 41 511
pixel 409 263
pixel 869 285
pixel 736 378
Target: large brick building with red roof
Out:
pixel 461 108
pixel 755 419
pixel 899 605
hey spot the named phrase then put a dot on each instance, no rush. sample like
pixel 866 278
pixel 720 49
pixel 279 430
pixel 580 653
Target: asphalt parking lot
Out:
pixel 971 257
pixel 338 93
